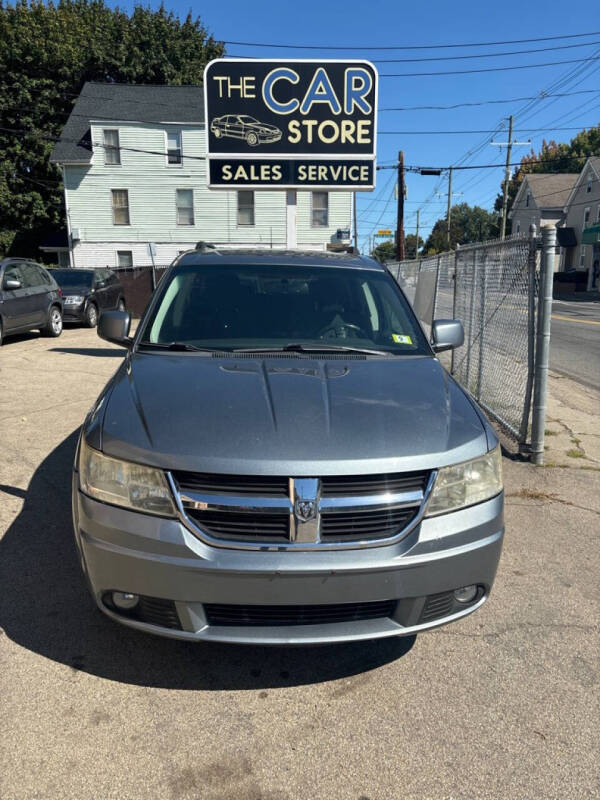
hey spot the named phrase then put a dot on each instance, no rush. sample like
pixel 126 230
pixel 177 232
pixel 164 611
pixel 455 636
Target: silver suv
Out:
pixel 282 459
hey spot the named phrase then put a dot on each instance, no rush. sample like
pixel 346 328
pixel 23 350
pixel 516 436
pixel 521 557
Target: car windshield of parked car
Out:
pixel 250 306
pixel 246 119
pixel 70 278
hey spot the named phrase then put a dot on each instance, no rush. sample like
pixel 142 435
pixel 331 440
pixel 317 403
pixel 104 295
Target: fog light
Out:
pixel 125 601
pixel 466 594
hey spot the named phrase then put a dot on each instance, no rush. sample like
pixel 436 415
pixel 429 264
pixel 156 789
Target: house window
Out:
pixel 598 214
pixel 588 187
pixel 582 256
pixel 184 202
pixel 174 154
pixel 320 209
pixel 120 206
pixel 124 258
pixel 586 216
pixel 527 198
pixel 245 208
pixel 112 154
pixel 518 227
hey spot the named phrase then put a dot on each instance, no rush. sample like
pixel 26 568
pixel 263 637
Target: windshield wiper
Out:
pixel 181 346
pixel 297 347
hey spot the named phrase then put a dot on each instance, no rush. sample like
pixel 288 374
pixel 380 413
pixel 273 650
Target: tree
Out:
pixel 553 157
pixel 386 251
pixel 467 224
pixel 48 52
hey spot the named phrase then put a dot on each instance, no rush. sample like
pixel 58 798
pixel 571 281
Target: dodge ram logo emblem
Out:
pixel 305 510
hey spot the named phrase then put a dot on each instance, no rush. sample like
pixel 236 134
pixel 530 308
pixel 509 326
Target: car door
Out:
pixel 38 293
pixel 15 304
pixel 101 289
pixel 236 127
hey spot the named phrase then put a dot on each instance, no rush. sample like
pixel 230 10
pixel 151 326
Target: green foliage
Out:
pixel 386 251
pixel 48 52
pixel 555 158
pixel 467 224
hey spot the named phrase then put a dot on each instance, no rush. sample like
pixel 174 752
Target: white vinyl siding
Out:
pixel 112 153
pixel 184 202
pixel 152 203
pixel 245 207
pixel 120 206
pixel 320 210
pixel 174 149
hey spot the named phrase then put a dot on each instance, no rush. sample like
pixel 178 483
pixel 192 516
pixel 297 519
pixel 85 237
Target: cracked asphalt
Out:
pixel 504 704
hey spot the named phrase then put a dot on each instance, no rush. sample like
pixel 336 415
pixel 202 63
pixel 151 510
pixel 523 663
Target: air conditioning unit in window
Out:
pixel 75 235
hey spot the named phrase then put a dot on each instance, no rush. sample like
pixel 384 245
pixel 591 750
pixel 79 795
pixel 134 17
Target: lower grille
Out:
pixel 437 605
pixel 153 610
pixel 243 526
pixel 241 615
pixel 364 525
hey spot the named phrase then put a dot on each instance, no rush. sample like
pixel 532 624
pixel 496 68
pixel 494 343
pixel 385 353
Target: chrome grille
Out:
pixel 258 512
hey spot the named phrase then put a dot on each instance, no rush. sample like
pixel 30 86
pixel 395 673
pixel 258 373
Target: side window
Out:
pixel 31 275
pixel 99 278
pixel 45 279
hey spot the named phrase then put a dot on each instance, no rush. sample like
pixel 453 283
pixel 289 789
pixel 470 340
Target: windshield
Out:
pixel 231 307
pixel 72 277
pixel 247 119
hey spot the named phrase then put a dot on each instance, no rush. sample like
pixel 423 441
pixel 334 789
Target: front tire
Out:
pixel 217 133
pixel 252 139
pixel 54 326
pixel 91 315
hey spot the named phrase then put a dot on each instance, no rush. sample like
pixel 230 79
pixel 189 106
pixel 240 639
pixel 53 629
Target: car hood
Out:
pixel 74 290
pixel 295 416
pixel 265 126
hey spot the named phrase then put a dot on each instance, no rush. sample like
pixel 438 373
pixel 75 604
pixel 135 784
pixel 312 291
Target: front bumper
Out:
pixel 154 557
pixel 74 313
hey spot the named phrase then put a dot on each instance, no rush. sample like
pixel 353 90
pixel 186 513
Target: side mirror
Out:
pixel 10 284
pixel 114 327
pixel 446 334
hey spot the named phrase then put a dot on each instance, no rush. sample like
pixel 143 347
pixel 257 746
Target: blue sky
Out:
pixel 387 23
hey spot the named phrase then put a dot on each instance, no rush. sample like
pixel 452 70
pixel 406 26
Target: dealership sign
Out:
pixel 290 124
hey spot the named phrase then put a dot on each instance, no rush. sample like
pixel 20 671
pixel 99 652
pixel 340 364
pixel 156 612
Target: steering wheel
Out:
pixel 338 331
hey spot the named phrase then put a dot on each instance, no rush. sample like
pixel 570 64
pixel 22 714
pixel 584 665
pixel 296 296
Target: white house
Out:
pixel 582 220
pixel 134 173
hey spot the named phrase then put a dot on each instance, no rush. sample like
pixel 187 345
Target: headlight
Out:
pixel 465 484
pixel 73 300
pixel 122 483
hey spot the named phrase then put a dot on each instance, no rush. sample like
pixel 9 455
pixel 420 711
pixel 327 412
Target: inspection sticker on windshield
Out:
pixel 400 339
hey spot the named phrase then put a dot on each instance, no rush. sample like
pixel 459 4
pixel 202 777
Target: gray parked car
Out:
pixel 29 298
pixel 282 459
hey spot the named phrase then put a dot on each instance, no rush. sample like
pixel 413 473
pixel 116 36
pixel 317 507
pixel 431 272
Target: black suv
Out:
pixel 89 292
pixel 29 298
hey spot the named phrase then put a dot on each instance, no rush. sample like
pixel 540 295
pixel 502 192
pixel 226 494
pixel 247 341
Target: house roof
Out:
pixel 549 189
pixel 128 102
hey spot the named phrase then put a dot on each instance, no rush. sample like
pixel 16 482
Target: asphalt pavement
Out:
pixel 575 340
pixel 503 704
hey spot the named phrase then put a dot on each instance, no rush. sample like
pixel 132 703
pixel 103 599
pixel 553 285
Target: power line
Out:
pixel 541 96
pixel 486 69
pixel 412 46
pixel 468 56
pixel 462 132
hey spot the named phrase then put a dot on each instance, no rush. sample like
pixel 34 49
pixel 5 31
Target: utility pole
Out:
pixel 449 208
pixel 509 146
pixel 417 239
pixel 354 221
pixel 400 254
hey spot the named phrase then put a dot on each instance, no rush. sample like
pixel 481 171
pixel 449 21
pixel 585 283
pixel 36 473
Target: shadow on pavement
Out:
pixel 45 607
pixel 101 352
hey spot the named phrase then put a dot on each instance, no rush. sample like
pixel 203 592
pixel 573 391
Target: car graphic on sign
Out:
pixel 241 126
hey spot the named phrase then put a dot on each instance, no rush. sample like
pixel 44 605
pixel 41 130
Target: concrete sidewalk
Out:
pixel 572 424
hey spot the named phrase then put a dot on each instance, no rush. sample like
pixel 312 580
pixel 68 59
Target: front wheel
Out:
pixel 217 133
pixel 252 139
pixel 91 315
pixel 54 326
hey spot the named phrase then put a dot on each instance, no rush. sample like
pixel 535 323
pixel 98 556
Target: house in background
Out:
pixel 134 173
pixel 582 221
pixel 541 201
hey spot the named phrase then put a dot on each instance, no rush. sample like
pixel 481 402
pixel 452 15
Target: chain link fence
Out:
pixel 493 288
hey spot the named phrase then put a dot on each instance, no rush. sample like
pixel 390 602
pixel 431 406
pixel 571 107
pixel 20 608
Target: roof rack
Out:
pixel 206 247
